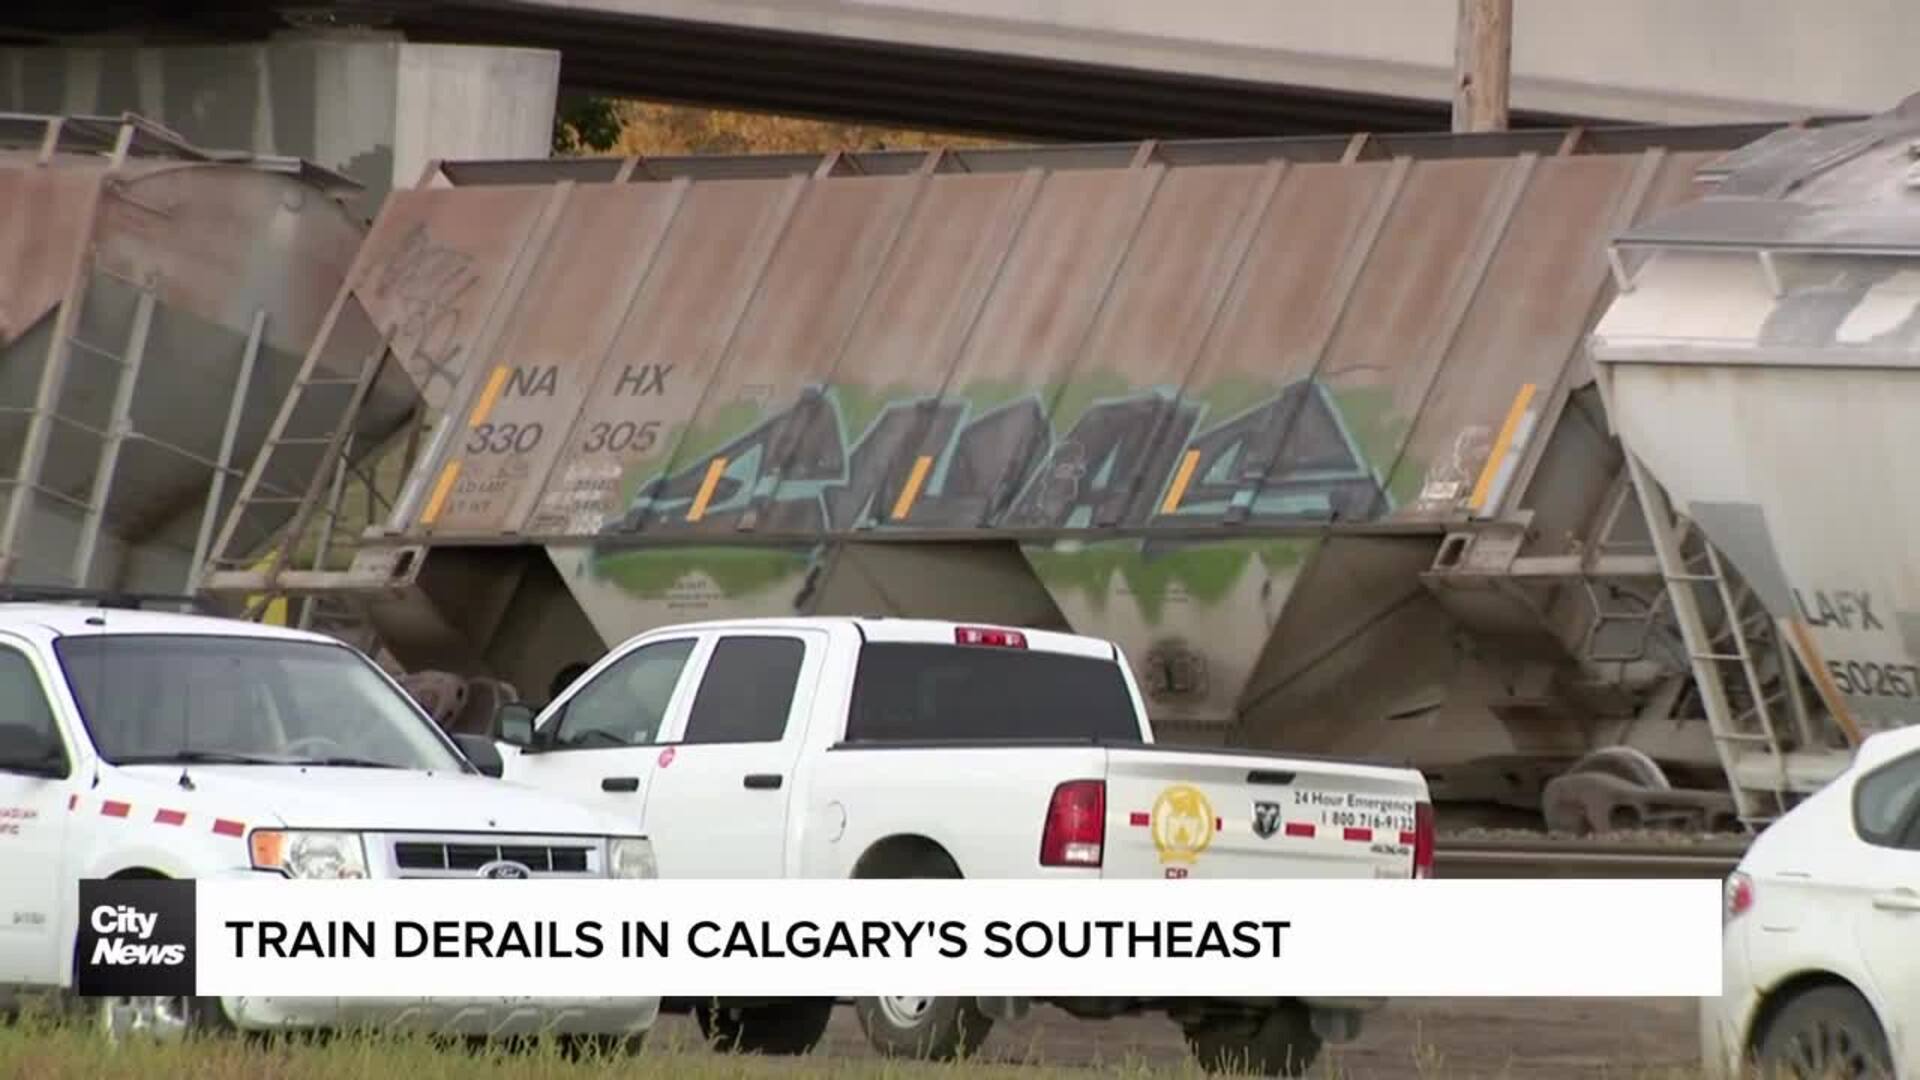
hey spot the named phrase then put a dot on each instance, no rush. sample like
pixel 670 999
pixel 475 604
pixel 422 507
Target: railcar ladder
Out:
pixel 301 425
pixel 1741 709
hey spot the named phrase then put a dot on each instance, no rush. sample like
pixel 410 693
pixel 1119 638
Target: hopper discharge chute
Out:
pixel 1762 367
pixel 156 299
pixel 1304 424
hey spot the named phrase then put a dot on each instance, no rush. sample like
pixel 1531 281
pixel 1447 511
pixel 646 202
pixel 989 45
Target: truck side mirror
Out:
pixel 485 756
pixel 513 724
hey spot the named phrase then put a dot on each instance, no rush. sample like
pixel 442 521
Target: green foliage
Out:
pixel 588 125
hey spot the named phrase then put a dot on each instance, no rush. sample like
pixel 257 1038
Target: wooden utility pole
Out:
pixel 1482 65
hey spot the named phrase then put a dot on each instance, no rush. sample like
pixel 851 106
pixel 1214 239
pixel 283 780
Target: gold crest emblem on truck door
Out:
pixel 1183 824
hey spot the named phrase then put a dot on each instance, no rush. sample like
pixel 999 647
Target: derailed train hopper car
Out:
pixel 156 299
pixel 1304 424
pixel 1763 366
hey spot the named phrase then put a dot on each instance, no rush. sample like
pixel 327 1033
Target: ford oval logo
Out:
pixel 503 868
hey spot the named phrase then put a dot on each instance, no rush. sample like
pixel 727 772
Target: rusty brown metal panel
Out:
pixel 758 404
pixel 1517 339
pixel 195 233
pixel 432 271
pixel 637 418
pixel 1287 300
pixel 43 228
pixel 885 394
pixel 550 351
pixel 1109 418
pixel 1028 341
pixel 1372 382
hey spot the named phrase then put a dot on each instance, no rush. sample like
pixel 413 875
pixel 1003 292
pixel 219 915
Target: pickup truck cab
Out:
pixel 149 744
pixel 858 747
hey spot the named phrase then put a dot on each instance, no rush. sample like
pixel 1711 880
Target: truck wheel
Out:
pixel 784 1027
pixel 936 1029
pixel 1827 1031
pixel 165 1019
pixel 1279 1043
pixel 928 1028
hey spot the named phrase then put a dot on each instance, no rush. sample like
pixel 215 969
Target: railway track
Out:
pixel 1585 858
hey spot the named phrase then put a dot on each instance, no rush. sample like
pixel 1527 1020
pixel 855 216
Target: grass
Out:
pixel 51 1048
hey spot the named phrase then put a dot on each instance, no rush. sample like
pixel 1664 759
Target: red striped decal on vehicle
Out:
pixel 1407 838
pixel 73 801
pixel 1139 820
pixel 1299 828
pixel 228 828
pixel 1358 834
pixel 112 808
pixel 169 817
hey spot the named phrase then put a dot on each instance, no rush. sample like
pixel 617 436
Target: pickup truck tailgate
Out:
pixel 1199 813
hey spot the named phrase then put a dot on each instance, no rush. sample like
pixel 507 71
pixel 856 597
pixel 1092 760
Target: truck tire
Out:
pixel 928 1029
pixel 1826 1031
pixel 164 1019
pixel 1277 1043
pixel 783 1027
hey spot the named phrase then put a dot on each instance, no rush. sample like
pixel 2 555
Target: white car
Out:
pixel 1822 938
pixel 141 744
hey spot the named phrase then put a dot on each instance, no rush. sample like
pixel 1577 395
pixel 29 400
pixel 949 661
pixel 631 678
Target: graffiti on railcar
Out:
pixel 985 459
pixel 429 281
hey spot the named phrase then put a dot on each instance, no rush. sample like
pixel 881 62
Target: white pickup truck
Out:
pixel 148 744
pixel 856 747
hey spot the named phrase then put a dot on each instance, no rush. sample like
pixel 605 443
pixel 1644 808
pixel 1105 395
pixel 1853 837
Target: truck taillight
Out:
pixel 1423 840
pixel 1076 831
pixel 1739 897
pixel 983 635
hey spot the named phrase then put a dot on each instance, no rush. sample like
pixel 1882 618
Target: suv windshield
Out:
pixel 215 699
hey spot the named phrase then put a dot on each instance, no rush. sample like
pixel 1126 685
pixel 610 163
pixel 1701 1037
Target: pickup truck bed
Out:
pixel 1194 811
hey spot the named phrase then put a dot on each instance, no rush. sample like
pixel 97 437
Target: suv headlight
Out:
pixel 631 857
pixel 301 854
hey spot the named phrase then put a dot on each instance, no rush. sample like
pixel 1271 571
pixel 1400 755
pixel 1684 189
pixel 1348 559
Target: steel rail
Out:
pixel 1518 858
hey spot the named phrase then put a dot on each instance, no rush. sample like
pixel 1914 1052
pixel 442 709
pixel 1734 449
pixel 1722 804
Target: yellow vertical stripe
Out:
pixel 912 490
pixel 1188 462
pixel 699 508
pixel 1823 682
pixel 489 396
pixel 1500 446
pixel 441 489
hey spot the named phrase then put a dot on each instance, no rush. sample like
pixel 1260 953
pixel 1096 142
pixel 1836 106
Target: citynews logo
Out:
pixel 135 939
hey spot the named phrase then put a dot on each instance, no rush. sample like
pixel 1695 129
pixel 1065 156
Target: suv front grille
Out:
pixel 421 857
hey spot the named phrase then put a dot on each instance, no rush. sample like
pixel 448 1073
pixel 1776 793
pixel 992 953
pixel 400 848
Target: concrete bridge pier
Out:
pixel 366 102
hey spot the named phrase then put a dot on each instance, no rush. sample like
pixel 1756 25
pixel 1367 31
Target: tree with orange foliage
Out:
pixel 651 129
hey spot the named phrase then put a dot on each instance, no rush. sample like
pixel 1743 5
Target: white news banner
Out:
pixel 1417 938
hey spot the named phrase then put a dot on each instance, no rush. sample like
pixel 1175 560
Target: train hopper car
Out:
pixel 1761 364
pixel 1306 424
pixel 156 303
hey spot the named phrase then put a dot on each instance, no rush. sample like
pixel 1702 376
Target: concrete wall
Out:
pixel 367 103
pixel 1661 61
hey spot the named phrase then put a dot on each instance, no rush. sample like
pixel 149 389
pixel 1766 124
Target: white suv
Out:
pixel 139 744
pixel 1822 948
